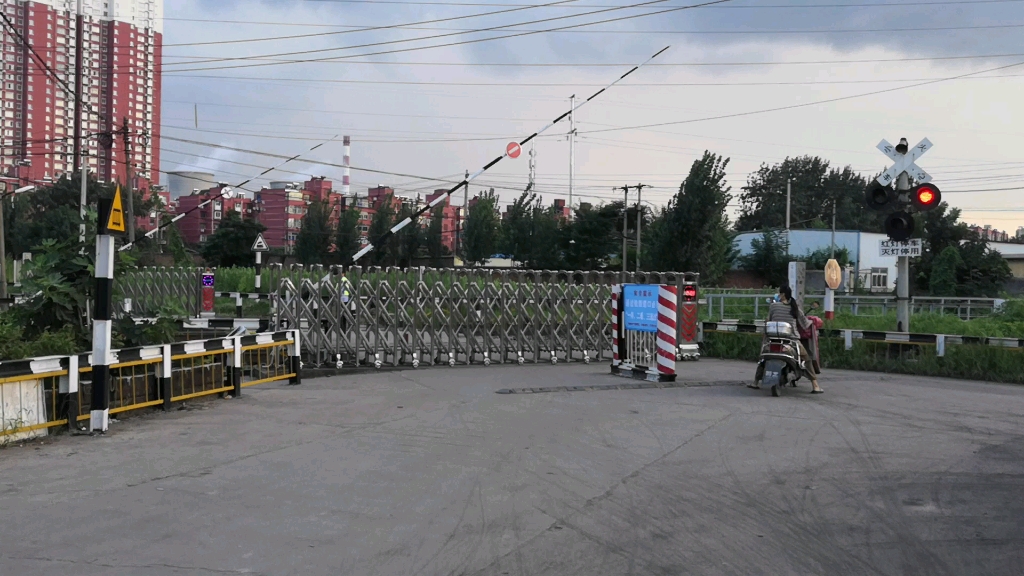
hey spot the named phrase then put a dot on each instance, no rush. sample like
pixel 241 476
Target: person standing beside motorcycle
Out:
pixel 787 309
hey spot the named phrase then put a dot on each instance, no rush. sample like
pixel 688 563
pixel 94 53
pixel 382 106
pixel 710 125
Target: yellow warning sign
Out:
pixel 115 222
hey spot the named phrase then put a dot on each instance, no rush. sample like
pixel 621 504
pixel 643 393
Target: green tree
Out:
pixel 545 239
pixel 176 246
pixel 985 271
pixel 692 233
pixel 434 237
pixel 49 213
pixel 482 229
pixel 313 244
pixel 517 228
pixel 408 240
pixel 231 244
pixel 940 228
pixel 815 186
pixel 819 258
pixel 769 258
pixel 944 272
pixel 347 236
pixel 383 220
pixel 590 238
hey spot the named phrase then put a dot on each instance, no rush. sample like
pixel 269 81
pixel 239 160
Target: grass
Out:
pixel 972 362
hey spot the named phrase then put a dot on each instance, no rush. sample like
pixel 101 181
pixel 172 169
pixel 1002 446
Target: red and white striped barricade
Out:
pixel 644 331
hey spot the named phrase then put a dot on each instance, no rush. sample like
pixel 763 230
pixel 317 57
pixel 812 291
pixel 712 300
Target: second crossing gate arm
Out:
pixel 465 182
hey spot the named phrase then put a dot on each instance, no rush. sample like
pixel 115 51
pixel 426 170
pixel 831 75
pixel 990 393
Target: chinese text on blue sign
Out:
pixel 640 311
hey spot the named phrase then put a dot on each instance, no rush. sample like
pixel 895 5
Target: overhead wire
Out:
pixel 464 42
pixel 372 28
pixel 734 6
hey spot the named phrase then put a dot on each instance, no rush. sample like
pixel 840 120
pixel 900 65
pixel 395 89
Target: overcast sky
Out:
pixel 436 112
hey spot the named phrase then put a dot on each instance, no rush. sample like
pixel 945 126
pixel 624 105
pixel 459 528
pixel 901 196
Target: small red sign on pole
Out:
pixel 513 149
pixel 208 291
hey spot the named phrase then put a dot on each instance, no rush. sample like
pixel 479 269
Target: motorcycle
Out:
pixel 781 362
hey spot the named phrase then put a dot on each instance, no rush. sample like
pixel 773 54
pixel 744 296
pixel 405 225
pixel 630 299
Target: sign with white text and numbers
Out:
pixel 910 248
pixel 640 311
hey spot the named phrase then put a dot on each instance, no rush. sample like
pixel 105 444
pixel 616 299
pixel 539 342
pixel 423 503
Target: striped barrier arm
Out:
pixel 940 341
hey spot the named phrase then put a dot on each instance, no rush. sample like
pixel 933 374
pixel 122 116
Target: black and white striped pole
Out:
pixel 510 148
pixel 259 247
pixel 111 221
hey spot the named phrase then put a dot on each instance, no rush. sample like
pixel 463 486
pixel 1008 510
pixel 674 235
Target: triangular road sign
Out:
pixel 260 245
pixel 115 220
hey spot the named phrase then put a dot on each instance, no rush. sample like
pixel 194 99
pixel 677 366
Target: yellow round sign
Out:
pixel 833 274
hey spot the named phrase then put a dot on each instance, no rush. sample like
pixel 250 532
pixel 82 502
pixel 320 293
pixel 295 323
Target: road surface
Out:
pixel 432 472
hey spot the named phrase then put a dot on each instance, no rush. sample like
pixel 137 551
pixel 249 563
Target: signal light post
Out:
pixel 899 225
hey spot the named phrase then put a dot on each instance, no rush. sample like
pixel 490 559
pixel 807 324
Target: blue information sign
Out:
pixel 640 311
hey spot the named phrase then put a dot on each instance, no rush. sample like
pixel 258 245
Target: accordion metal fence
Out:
pixel 391 317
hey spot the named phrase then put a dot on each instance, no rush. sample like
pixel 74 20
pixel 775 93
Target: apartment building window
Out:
pixel 216 215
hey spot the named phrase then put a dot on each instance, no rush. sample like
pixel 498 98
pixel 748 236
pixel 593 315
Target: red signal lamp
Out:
pixel 926 196
pixel 689 293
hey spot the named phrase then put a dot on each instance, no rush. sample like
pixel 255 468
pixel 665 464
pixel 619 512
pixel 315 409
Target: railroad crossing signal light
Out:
pixel 689 293
pixel 925 196
pixel 899 226
pixel 878 196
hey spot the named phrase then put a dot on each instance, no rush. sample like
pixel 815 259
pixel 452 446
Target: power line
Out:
pixel 804 104
pixel 573 84
pixel 371 28
pixel 201 59
pixel 661 65
pixel 421 38
pixel 460 43
pixel 736 6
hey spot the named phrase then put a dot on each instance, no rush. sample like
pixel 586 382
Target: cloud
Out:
pixel 972 122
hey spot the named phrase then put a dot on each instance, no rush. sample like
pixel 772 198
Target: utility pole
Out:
pixel 572 149
pixel 639 220
pixel 79 145
pixel 533 165
pixel 625 219
pixel 833 227
pixel 789 195
pixel 465 217
pixel 3 249
pixel 903 271
pixel 129 188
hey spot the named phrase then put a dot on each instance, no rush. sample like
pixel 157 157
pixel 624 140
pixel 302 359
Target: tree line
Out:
pixel 692 232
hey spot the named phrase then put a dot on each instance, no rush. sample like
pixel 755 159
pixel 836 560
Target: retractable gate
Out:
pixel 644 331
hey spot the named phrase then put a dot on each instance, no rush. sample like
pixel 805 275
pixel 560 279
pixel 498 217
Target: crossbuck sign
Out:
pixel 904 162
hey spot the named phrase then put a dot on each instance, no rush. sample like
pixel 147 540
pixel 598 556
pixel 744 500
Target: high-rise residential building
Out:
pixel 121 55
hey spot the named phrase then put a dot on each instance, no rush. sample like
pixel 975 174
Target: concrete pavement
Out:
pixel 431 472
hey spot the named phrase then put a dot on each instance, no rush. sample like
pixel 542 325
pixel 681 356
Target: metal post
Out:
pixel 625 219
pixel 128 184
pixel 639 219
pixel 572 149
pixel 789 194
pixel 3 252
pixel 82 202
pixel 903 273
pixel 462 221
pixel 833 228
pixel 99 411
pixel 259 270
pixel 79 25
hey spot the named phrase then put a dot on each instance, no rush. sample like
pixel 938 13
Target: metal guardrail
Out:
pixel 42 393
pixel 940 341
pixel 740 306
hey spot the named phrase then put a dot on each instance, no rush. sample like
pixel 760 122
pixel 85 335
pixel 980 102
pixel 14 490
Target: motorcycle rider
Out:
pixel 786 309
